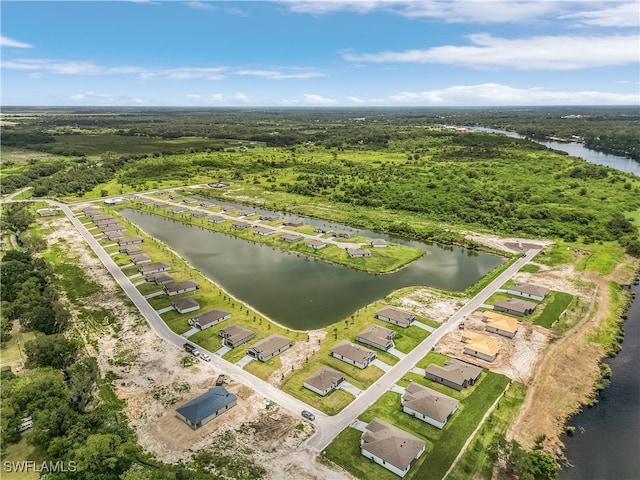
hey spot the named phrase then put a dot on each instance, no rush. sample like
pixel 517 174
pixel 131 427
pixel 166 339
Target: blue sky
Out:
pixel 320 53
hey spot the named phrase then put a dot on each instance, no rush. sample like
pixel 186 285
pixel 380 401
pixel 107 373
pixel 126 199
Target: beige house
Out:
pixel 353 354
pixel 377 337
pixel 454 373
pixel 323 380
pixel 235 335
pixel 432 407
pixel 269 347
pixel 396 316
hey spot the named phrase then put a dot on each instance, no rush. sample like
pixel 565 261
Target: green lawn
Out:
pixel 20 452
pixel 554 304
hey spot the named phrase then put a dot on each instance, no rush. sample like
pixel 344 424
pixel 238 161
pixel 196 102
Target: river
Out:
pixel 301 293
pixel 579 150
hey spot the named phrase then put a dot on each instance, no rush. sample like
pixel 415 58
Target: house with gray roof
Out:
pixel 209 318
pixel 396 316
pixel 358 252
pixel 216 219
pixel 130 250
pixel 181 287
pixel 130 240
pixel 291 237
pixel 154 267
pixel 206 407
pixel 160 204
pixel 140 259
pixel 46 212
pixel 234 335
pixel 343 234
pixel 198 214
pixel 162 278
pixel 455 374
pixel 353 354
pixel 114 235
pixel 426 404
pixel 190 200
pixel 264 231
pixel 321 229
pixel 378 243
pixel 269 347
pixel 377 337
pixel 515 306
pixel 323 380
pixel 268 217
pixel 106 222
pixel 179 210
pixel 390 447
pixel 185 305
pixel 527 290
pixel 117 227
pixel 293 222
pixel 241 225
pixel 315 244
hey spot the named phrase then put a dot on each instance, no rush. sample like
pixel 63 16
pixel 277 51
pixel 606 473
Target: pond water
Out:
pixel 299 292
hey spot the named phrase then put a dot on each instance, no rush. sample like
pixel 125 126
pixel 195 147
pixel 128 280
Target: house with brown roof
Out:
pixel 396 316
pixel 293 222
pixel 378 243
pixel 269 347
pixel 181 287
pixel 130 240
pixel 198 214
pixel 323 380
pixel 241 225
pixel 235 335
pixel 455 374
pixel 390 447
pixel 140 259
pixel 130 250
pixel 515 306
pixel 432 407
pixel 500 324
pixel 154 268
pixel 321 229
pixel 179 210
pixel 217 219
pixel 480 345
pixel 343 234
pixel 315 244
pixel 527 290
pixel 162 278
pixel 185 305
pixel 264 231
pixel 268 217
pixel 353 354
pixel 358 252
pixel 114 235
pixel 117 227
pixel 209 318
pixel 291 237
pixel 377 337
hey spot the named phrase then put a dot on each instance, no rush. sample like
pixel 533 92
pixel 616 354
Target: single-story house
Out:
pixel 198 214
pixel 106 222
pixel 117 227
pixel 130 240
pixel 481 346
pixel 175 196
pixel 396 316
pixel 154 268
pixel 268 217
pixel 179 210
pixel 97 215
pixel 320 229
pixel 269 347
pixel 185 305
pixel 343 234
pixel 515 306
pixel 500 324
pixel 235 335
pixel 113 201
pixel 145 201
pixel 390 447
pixel 190 200
pixel 315 244
pixel 181 287
pixel 291 237
pixel 432 407
pixel 455 374
pixel 207 204
pixel 216 219
pixel 378 243
pixel 209 318
pixel 353 354
pixel 241 225
pixel 528 291
pixel 160 204
pixel 130 250
pixel 245 213
pixel 206 407
pixel 323 380
pixel 293 222
pixel 114 235
pixel 162 278
pixel 377 337
pixel 264 231
pixel 140 259
pixel 47 212
pixel 218 185
pixel 227 208
pixel 358 252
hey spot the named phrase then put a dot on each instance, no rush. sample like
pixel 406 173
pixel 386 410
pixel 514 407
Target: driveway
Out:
pixel 155 294
pixel 352 389
pixel 381 365
pixel 222 351
pixel 193 331
pixel 164 310
pixel 397 388
pixel 396 353
pixel 245 360
pixel 423 326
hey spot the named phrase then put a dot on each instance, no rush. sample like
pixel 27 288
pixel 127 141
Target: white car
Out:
pixel 205 357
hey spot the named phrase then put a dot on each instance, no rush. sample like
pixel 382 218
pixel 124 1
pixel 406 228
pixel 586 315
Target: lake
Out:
pixel 299 292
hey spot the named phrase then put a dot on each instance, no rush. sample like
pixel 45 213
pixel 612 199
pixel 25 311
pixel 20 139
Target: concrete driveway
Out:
pixel 352 389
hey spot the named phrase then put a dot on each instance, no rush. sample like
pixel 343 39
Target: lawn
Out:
pixel 21 452
pixel 555 303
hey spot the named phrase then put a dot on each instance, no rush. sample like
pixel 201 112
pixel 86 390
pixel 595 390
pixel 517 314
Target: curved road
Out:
pixel 327 427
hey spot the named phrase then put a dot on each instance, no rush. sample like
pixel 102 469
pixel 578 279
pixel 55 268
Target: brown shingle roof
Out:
pixel 324 378
pixel 271 344
pixel 353 352
pixel 429 402
pixel 393 445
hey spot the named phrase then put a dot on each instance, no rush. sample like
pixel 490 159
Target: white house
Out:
pixel 324 380
pixel 428 405
pixel 527 290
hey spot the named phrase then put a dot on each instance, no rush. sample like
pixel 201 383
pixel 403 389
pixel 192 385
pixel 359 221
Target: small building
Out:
pixel 113 201
pixel 269 217
pixel 500 324
pixel 190 200
pixel 140 259
pixel 198 214
pixel 323 380
pixel 130 250
pixel 377 337
pixel 358 252
pixel 218 185
pixel 162 278
pixel 264 231
pixel 209 318
pixel 235 335
pixel 206 407
pixel 269 347
pixel 428 405
pixel 315 244
pixel 353 354
pixel 130 240
pixel 480 346
pixel 179 210
pixel 396 316
pixel 96 216
pixel 293 222
pixel 154 268
pixel 515 306
pixel 117 227
pixel 227 208
pixel 245 213
pixel 343 234
pixel 47 212
pixel 455 374
pixel 320 229
pixel 216 219
pixel 145 201
pixel 241 225
pixel 527 290
pixel 390 447
pixel 378 243
pixel 291 237
pixel 114 235
pixel 175 196
pixel 185 305
pixel 106 222
pixel 207 204
pixel 181 287
pixel 160 204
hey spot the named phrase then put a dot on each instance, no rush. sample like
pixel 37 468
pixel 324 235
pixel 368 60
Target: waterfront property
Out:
pixel 206 407
pixel 315 244
pixel 241 225
pixel 515 306
pixel 130 250
pixel 378 243
pixel 358 252
pixel 264 231
pixel 527 290
pixel 390 447
pixel 162 278
pixel 320 229
pixel 353 354
pixel 181 287
pixel 377 337
pixel 481 346
pixel 198 214
pixel 500 324
pixel 269 347
pixel 343 234
pixel 130 240
pixel 324 380
pixel 155 267
pixel 209 318
pixel 216 219
pixel 235 335
pixel 185 305
pixel 396 316
pixel 291 237
pixel 293 223
pixel 428 405
pixel 455 374
pixel 268 218
pixel 179 210
pixel 140 259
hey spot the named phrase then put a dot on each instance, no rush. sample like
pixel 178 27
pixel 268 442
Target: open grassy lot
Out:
pixel 20 453
pixel 554 304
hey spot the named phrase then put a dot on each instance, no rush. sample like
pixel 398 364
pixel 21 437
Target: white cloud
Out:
pixel 313 99
pixel 240 97
pixel 545 53
pixel 620 15
pixel 10 42
pixel 93 98
pixel 356 100
pixel 278 75
pixel 200 5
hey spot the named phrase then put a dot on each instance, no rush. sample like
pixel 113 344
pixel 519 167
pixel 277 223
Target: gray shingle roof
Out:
pixel 206 404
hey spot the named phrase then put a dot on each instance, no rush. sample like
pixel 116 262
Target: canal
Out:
pixel 299 292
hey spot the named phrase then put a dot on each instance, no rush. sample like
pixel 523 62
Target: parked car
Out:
pixel 308 415
pixel 206 357
pixel 192 349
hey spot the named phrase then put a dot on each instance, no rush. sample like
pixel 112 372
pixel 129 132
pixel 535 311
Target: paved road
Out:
pixel 327 428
